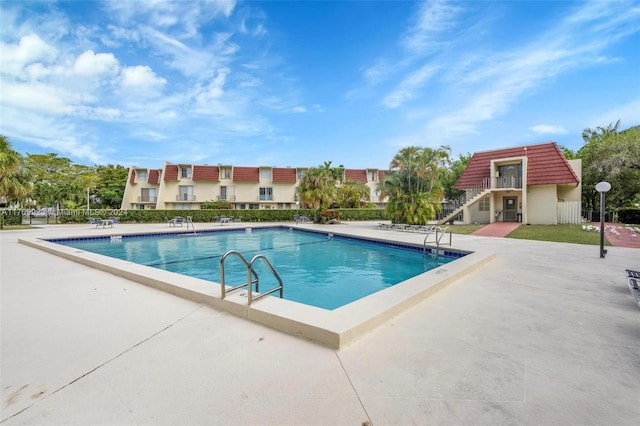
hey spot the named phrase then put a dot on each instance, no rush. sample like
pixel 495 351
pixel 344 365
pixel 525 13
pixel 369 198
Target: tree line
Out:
pixel 418 179
pixel 47 180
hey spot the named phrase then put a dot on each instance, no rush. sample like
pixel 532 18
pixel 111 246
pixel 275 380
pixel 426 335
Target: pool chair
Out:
pixel 633 279
pixel 178 221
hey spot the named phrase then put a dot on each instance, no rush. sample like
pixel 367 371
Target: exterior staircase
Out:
pixel 470 197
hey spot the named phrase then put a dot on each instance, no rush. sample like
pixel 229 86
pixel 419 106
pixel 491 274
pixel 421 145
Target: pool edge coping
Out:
pixel 333 329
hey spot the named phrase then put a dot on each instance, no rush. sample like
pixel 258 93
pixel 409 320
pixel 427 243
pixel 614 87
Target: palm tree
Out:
pixel 413 187
pixel 352 194
pixel 317 187
pixel 15 179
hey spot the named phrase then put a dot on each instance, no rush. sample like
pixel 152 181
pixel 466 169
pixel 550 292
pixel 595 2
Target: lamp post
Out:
pixel 602 188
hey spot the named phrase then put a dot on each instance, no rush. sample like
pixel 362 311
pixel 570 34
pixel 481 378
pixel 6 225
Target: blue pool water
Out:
pixel 316 268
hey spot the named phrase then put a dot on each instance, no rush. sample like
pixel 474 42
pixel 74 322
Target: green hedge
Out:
pixel 209 215
pixel 630 215
pixel 12 217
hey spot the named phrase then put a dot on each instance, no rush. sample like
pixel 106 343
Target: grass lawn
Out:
pixel 463 229
pixel 13 227
pixel 557 233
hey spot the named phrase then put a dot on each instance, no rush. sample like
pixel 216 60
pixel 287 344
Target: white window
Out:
pixel 373 176
pixel 265 174
pixel 148 195
pixel 484 204
pixel 143 175
pixel 266 194
pixel 300 174
pixel 225 173
pixel 185 193
pixel 185 172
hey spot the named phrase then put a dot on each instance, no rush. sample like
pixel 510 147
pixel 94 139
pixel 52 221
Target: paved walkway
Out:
pixel 620 236
pixel 496 229
pixel 545 334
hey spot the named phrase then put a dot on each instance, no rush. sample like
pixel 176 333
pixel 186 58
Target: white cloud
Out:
pixel 38 97
pixel 91 64
pixel 141 77
pixel 409 87
pixel 299 109
pixel 489 87
pixel 208 98
pixel 30 49
pixel 544 129
pixel 434 19
pixel 628 114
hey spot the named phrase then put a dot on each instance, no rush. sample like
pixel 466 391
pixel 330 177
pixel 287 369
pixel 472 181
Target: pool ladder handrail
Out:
pixel 250 271
pixel 439 233
pixel 190 221
pixel 252 277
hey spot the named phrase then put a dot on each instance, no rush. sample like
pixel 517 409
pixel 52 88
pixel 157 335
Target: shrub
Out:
pixel 329 215
pixel 211 215
pixel 629 215
pixel 12 217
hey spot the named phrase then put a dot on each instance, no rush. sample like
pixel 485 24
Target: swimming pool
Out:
pixel 317 269
pixel 333 328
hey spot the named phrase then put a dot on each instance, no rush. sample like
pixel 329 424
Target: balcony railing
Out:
pixel 185 197
pixel 147 199
pixel 265 198
pixel 227 198
pixel 507 182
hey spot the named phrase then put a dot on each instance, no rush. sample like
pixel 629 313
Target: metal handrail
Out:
pixel 439 233
pixel 444 231
pixel 273 271
pixel 249 283
pixel 190 221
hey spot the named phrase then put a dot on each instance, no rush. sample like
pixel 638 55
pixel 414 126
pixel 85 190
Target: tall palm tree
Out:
pixel 15 179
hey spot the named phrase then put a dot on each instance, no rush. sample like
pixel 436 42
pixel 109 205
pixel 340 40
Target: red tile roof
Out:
pixel 283 175
pixel 154 177
pixel 355 175
pixel 382 174
pixel 132 177
pixel 171 172
pixel 246 174
pixel 209 173
pixel 546 165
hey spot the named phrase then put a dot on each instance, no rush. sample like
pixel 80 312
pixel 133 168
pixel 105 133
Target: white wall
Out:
pixel 542 205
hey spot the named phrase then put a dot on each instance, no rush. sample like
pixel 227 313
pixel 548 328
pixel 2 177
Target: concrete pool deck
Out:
pixel 546 333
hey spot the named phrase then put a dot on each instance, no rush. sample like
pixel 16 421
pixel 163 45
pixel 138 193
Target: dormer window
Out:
pixel 142 175
pixel 265 174
pixel 185 172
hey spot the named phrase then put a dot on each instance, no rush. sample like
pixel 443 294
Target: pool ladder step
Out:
pixel 252 277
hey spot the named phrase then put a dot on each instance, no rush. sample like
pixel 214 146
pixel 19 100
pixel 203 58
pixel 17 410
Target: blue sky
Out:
pixel 297 83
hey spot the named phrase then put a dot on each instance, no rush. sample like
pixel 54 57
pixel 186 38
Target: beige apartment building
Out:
pixel 187 186
pixel 533 184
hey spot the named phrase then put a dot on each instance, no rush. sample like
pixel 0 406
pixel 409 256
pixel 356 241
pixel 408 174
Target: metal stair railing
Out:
pixel 468 197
